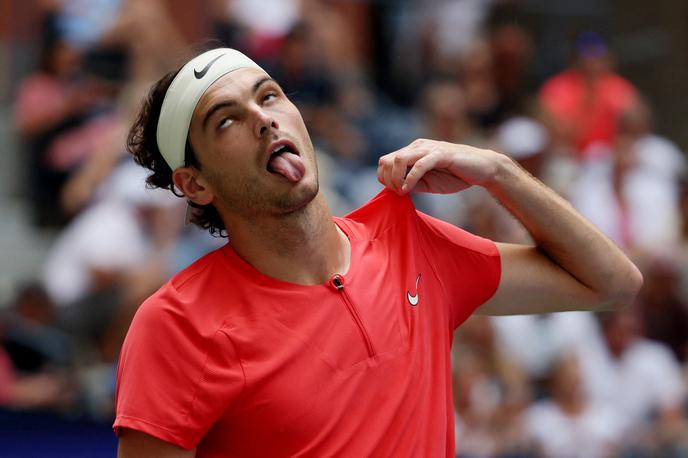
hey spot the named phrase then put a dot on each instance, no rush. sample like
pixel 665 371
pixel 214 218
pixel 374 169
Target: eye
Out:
pixel 269 96
pixel 226 122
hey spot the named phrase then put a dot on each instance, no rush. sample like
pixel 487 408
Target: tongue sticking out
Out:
pixel 287 164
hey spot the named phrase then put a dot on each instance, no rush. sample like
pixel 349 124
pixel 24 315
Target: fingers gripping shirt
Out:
pixel 235 363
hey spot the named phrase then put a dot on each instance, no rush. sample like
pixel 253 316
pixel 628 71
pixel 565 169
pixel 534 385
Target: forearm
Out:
pixel 566 237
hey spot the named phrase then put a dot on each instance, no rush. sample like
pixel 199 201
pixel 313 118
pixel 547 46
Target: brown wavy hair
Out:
pixel 143 145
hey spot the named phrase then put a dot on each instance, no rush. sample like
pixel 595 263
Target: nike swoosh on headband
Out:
pixel 183 94
pixel 202 73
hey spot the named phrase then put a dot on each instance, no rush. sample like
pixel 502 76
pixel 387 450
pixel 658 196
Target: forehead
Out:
pixel 234 85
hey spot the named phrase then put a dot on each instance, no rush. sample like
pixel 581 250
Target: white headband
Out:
pixel 184 93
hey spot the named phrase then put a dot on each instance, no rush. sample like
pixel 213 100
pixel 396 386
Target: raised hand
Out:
pixel 437 167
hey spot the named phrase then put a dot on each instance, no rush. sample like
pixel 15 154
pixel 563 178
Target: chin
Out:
pixel 298 197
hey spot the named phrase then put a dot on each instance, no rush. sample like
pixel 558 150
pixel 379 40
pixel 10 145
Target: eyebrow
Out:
pixel 229 103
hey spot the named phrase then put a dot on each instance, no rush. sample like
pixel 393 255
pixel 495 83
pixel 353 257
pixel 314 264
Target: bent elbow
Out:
pixel 623 291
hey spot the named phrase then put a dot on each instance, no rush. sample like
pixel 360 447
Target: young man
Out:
pixel 318 336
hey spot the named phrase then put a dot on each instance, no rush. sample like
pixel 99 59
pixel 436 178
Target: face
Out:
pixel 238 124
pixel 595 64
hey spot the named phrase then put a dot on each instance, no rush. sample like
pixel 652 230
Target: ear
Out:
pixel 194 186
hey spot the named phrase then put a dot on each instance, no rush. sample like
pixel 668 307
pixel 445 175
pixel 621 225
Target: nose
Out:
pixel 264 122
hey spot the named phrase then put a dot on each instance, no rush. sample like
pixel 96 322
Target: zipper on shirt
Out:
pixel 337 283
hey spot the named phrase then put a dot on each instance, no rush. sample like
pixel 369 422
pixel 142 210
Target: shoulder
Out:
pixel 438 231
pixel 178 369
pixel 383 212
pixel 389 213
pixel 188 303
pixel 196 271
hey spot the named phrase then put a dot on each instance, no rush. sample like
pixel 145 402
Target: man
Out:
pixel 584 102
pixel 319 336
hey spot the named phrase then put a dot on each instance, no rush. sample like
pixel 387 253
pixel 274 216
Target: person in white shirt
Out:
pixel 568 425
pixel 630 190
pixel 638 378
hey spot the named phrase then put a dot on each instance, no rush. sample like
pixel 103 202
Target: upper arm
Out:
pixel 134 444
pixel 532 283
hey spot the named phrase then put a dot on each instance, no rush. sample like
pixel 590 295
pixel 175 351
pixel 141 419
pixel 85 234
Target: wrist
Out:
pixel 504 171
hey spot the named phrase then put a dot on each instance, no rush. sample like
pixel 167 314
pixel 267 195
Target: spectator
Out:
pixel 453 27
pixel 536 342
pixel 301 70
pixel 83 22
pixel 664 312
pixel 31 336
pixel 631 189
pixel 35 358
pixel 512 47
pixel 50 102
pixel 41 391
pixel 151 50
pixel 639 379
pixel 583 103
pixel 568 425
pixel 483 100
pixel 490 392
pixel 226 27
pixel 266 23
pixel 111 253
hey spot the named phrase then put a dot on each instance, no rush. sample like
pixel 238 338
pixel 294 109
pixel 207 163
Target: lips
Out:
pixel 285 160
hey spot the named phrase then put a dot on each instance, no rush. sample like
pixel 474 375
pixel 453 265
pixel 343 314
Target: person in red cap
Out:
pixel 309 335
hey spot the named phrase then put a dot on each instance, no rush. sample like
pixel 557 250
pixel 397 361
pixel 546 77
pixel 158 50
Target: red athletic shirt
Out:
pixel 228 360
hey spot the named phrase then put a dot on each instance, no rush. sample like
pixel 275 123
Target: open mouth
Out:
pixel 285 160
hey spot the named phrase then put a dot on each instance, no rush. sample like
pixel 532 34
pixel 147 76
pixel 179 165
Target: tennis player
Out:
pixel 311 335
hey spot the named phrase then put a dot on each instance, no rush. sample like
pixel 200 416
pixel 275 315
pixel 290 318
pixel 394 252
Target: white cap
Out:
pixel 521 137
pixel 184 93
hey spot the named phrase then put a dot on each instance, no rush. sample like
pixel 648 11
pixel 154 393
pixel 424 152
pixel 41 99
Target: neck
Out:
pixel 304 247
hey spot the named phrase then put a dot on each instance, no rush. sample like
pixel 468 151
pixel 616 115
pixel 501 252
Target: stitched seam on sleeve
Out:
pixel 238 357
pixel 199 380
pixel 204 371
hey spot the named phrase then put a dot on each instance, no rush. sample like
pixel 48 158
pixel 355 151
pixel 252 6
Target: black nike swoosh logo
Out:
pixel 202 73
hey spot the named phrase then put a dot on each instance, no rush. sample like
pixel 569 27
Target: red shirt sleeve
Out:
pixel 173 380
pixel 468 266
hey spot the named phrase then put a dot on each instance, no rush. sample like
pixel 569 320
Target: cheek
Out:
pixel 301 131
pixel 293 117
pixel 235 149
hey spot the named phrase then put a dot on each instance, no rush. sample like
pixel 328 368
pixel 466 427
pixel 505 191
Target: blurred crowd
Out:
pixel 368 77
